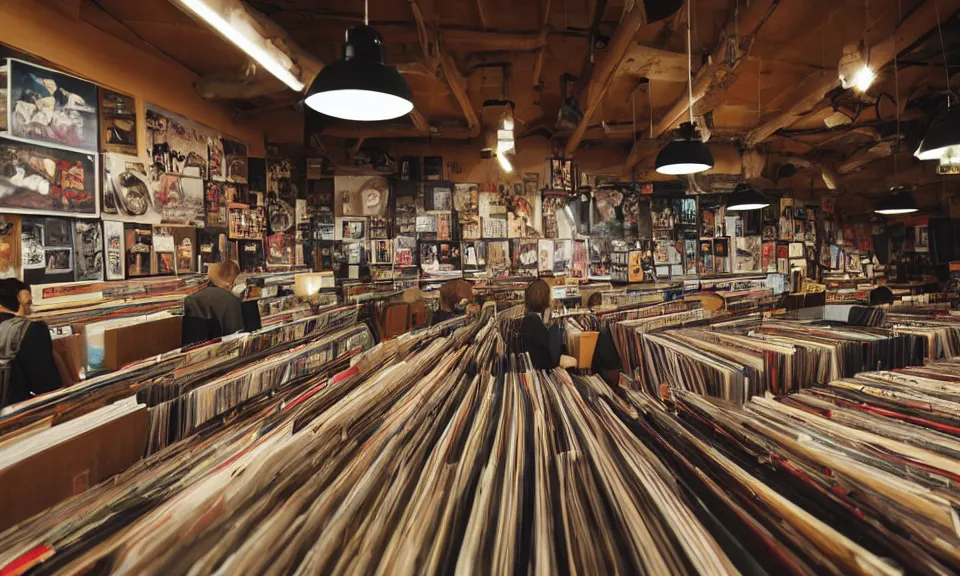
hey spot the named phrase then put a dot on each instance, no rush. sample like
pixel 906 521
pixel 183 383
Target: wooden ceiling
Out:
pixel 765 70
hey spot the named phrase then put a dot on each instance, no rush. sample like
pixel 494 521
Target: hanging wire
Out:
pixel 650 103
pixel 633 108
pixel 759 84
pixel 896 87
pixel 689 61
pixel 943 49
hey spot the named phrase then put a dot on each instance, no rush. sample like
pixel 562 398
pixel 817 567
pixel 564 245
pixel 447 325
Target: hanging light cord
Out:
pixel 689 60
pixel 896 87
pixel 366 12
pixel 943 49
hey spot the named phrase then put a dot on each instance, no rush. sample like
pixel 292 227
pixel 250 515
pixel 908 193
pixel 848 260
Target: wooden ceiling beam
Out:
pixel 538 59
pixel 721 70
pixel 482 13
pixel 458 86
pixel 917 24
pixel 599 81
pixel 419 122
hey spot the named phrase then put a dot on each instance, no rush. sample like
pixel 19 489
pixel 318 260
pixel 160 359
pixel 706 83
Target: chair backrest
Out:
pixel 394 320
pixel 418 314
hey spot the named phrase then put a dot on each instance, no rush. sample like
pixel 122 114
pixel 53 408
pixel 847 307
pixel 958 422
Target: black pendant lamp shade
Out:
pixel 746 197
pixel 944 134
pixel 360 86
pixel 900 201
pixel 687 154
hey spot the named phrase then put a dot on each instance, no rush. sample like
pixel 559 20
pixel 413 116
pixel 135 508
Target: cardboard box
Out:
pixel 132 343
pixel 53 475
pixel 584 347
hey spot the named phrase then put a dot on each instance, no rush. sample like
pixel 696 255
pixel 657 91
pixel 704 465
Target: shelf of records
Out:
pixel 438 452
pixel 182 392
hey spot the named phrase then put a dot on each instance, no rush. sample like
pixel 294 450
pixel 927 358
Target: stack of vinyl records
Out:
pixel 439 453
pixel 942 331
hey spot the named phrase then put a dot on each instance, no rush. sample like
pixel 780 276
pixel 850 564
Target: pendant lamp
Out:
pixel 943 136
pixel 900 201
pixel 686 154
pixel 360 86
pixel 746 197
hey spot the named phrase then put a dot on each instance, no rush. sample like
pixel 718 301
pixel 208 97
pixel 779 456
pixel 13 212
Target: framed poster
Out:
pixel 282 193
pixel 177 145
pixel 179 200
pixel 215 167
pixel 113 244
pixel 47 250
pixel 88 249
pixel 279 250
pixel 127 195
pixel 49 106
pixel 235 161
pixel 138 250
pixel 42 180
pixel 10 246
pixel 361 195
pixel 215 201
pixel 351 228
pixel 118 122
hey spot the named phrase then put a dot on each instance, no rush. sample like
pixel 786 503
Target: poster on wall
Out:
pixel 49 106
pixel 9 246
pixel 138 250
pixel 786 219
pixel 361 195
pixel 88 249
pixel 126 191
pixel 282 194
pixel 40 180
pixel 185 255
pixel 215 168
pixel 113 242
pixel 118 122
pixel 748 254
pixel 235 163
pixel 279 250
pixel 179 200
pixel 215 200
pixel 47 250
pixel 177 145
pixel 525 258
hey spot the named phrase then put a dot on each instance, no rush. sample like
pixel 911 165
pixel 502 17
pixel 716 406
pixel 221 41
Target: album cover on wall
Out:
pixel 43 180
pixel 118 122
pixel 283 189
pixel 138 249
pixel 235 161
pixel 361 195
pixel 88 247
pixel 10 246
pixel 351 228
pixel 215 200
pixel 179 200
pixel 46 249
pixel 177 145
pixel 127 194
pixel 278 250
pixel 215 167
pixel 49 106
pixel 185 249
pixel 113 246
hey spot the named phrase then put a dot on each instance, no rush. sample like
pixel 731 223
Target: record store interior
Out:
pixel 539 287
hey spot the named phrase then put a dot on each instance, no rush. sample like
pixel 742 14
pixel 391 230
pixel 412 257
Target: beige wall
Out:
pixel 77 47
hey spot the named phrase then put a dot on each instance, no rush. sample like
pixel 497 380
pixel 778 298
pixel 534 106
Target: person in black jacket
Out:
pixel 32 370
pixel 213 311
pixel 543 344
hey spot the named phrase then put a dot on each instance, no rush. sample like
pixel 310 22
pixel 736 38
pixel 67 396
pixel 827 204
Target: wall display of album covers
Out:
pixel 49 106
pixel 37 179
pixel 88 250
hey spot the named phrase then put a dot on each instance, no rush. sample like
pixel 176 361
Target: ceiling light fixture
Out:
pixel 360 86
pixel 900 201
pixel 942 139
pixel 686 154
pixel 746 197
pixel 240 34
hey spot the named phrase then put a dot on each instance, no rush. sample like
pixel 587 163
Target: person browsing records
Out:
pixel 213 311
pixel 543 344
pixel 27 366
pixel 455 296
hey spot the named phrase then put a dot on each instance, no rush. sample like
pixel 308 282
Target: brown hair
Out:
pixel 224 274
pixel 595 299
pixel 452 292
pixel 537 296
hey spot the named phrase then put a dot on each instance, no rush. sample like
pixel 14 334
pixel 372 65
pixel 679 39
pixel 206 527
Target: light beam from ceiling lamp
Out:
pixel 360 86
pixel 686 154
pixel 239 33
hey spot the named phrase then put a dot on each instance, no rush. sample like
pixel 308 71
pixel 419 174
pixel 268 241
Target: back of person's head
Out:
pixel 595 300
pixel 225 273
pixel 456 294
pixel 10 289
pixel 537 296
pixel 881 295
